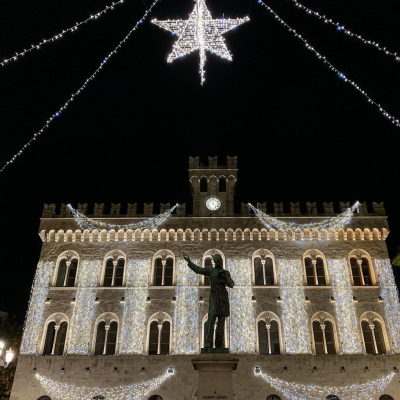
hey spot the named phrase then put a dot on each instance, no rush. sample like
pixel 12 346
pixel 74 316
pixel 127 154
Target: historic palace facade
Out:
pixel 117 314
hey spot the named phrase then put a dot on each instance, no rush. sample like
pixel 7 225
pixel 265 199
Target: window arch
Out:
pixel 67 268
pixel 208 262
pixel 155 397
pixel 55 335
pixel 374 334
pixel 315 271
pixel 203 184
pixel 159 334
pixel 361 271
pixel 114 269
pixel 44 398
pixel 222 184
pixel 273 397
pixel 325 340
pixel 106 335
pixel 264 273
pixel 269 337
pixel 386 397
pixel 204 332
pixel 163 268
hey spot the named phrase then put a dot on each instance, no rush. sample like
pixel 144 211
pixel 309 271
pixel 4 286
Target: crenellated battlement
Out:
pixel 194 163
pixel 276 209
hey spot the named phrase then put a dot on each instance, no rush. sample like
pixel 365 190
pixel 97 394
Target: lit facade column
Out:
pixel 56 329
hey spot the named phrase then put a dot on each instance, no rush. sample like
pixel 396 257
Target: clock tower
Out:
pixel 213 187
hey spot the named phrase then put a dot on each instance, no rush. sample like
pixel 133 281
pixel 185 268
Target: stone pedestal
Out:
pixel 215 375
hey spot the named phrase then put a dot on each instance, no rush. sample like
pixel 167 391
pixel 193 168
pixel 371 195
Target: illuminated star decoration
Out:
pixel 200 32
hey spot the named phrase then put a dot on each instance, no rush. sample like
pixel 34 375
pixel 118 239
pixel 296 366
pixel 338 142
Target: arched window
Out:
pixel 361 271
pixel 159 335
pixel 315 271
pixel 67 272
pixel 386 397
pixel 264 271
pixel 222 184
pixel 203 184
pixel 273 397
pixel 332 397
pixel 114 272
pixel 106 338
pixel 324 334
pixel 373 337
pixel 205 320
pixel 55 339
pixel 163 271
pixel 268 333
pixel 156 397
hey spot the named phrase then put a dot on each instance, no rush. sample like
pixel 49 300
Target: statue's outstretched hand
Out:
pixel 187 259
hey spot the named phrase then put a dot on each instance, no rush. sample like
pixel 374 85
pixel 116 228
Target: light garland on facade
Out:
pixel 58 113
pixel 65 391
pixel 299 391
pixel 337 222
pixel 91 224
pixel 34 317
pixel 82 317
pixel 242 320
pixel 339 27
pixel 200 32
pixel 391 304
pixel 294 315
pixel 345 311
pixel 186 313
pixel 133 328
pixel 395 121
pixel 61 34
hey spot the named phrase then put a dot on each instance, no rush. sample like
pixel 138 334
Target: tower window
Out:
pixel 222 184
pixel 203 184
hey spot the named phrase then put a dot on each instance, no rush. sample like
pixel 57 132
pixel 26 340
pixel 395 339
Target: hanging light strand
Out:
pixel 61 34
pixel 339 27
pixel 337 222
pixel 395 121
pixel 79 91
pixel 150 223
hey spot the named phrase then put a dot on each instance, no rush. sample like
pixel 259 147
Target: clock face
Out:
pixel 213 203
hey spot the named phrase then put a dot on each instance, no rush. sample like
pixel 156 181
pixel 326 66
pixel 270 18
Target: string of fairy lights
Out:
pixel 84 309
pixel 341 28
pixel 300 391
pixel 66 391
pixel 60 34
pixel 390 296
pixel 92 224
pixel 134 313
pixel 58 113
pixel 35 313
pixel 394 120
pixel 337 222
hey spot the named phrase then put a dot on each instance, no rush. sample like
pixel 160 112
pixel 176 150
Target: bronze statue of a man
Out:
pixel 218 299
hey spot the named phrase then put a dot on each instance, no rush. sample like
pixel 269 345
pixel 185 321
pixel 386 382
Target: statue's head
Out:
pixel 217 259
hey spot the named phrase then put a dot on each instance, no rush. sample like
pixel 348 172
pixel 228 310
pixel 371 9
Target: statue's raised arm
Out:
pixel 196 268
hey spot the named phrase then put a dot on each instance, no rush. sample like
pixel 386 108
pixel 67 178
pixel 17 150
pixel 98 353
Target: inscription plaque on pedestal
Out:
pixel 215 376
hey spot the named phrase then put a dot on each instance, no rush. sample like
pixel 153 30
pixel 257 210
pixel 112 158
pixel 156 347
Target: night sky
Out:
pixel 300 133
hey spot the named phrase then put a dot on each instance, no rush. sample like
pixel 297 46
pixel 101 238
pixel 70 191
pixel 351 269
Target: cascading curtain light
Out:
pixel 242 320
pixel 83 314
pixel 65 391
pixel 298 391
pixel 295 320
pixel 34 317
pixel 186 313
pixel 91 224
pixel 345 311
pixel 134 317
pixel 335 223
pixel 390 296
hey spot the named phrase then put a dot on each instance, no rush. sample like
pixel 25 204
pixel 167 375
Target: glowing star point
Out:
pixel 200 32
